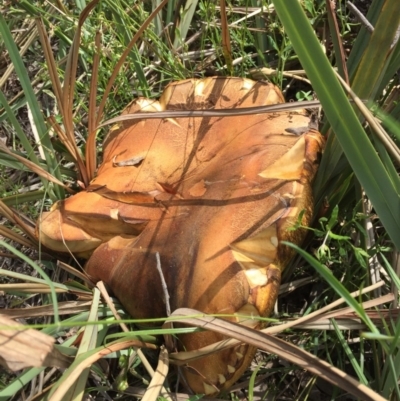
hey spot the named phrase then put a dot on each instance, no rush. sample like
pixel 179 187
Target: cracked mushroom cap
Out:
pixel 214 196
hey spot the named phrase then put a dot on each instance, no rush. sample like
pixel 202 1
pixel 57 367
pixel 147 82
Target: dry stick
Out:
pixel 110 303
pixel 242 111
pixel 368 26
pixel 331 8
pixel 226 40
pixel 164 285
pixel 360 16
pixel 91 149
pixel 146 364
pixel 169 340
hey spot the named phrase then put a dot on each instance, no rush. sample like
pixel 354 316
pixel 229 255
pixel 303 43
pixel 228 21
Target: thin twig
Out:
pixel 100 285
pixel 360 16
pixel 331 8
pixel 242 111
pixel 164 285
pixel 168 338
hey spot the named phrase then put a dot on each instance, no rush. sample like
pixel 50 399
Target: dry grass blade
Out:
pixel 349 320
pixel 226 40
pixel 347 311
pixel 17 220
pixel 64 308
pixel 330 7
pixel 341 324
pixel 71 68
pixel 28 229
pixel 31 288
pixel 75 272
pixel 13 236
pixel 34 167
pixel 85 360
pixel 264 72
pixel 279 347
pixel 278 329
pixel 7 212
pixel 51 64
pixel 69 88
pixel 88 172
pixel 347 316
pixel 182 357
pixel 91 154
pixel 243 111
pixel 159 377
pixel 22 348
pixel 71 146
pixel 23 50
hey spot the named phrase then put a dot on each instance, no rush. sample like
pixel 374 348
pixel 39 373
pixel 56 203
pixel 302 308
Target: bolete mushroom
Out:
pixel 213 196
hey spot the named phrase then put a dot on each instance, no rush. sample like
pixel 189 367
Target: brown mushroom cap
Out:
pixel 214 196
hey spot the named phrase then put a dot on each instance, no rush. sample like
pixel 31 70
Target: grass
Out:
pixel 354 243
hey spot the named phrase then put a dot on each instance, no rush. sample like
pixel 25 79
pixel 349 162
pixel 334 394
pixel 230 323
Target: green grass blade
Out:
pixel 16 385
pixel 349 353
pixel 363 38
pixel 125 32
pixel 186 19
pixel 88 342
pixel 32 102
pixel 336 285
pixel 46 278
pixel 369 74
pixel 18 129
pixel 23 198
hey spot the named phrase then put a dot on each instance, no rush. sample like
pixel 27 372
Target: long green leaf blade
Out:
pixel 32 102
